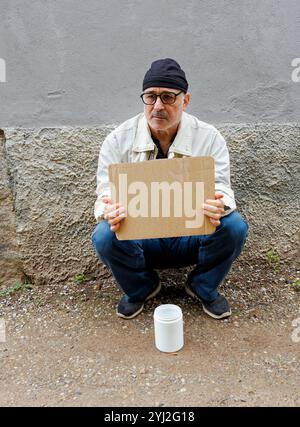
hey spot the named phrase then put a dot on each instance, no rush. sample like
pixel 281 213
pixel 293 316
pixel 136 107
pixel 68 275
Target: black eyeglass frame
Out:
pixel 159 96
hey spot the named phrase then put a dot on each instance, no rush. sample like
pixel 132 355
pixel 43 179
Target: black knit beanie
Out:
pixel 165 73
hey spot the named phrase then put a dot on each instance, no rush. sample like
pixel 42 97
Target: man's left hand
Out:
pixel 214 209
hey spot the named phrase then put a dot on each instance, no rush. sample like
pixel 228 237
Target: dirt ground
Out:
pixel 65 346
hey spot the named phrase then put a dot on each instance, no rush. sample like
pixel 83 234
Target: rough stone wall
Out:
pixel 10 262
pixel 54 178
pixel 52 185
pixel 265 177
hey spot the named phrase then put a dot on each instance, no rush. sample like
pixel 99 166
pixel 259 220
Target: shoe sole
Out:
pixel 154 293
pixel 221 316
pixel 132 316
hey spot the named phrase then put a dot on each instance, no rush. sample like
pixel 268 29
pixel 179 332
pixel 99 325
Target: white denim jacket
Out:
pixel 131 142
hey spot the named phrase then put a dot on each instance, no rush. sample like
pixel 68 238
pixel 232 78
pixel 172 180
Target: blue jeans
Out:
pixel 132 262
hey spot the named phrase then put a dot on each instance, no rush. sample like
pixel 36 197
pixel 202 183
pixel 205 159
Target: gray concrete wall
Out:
pixel 78 63
pixel 52 188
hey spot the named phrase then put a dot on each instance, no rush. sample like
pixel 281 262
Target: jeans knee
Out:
pixel 235 228
pixel 102 238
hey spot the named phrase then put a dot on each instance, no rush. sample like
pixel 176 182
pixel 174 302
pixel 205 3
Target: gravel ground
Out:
pixel 65 346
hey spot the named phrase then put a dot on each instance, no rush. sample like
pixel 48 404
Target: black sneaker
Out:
pixel 218 308
pixel 128 310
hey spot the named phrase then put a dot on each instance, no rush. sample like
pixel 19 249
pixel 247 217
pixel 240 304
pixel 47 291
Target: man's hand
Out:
pixel 114 213
pixel 214 209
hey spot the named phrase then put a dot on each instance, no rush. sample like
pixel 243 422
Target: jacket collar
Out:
pixel 182 143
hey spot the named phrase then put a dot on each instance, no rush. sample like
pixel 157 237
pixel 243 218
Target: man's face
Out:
pixel 162 117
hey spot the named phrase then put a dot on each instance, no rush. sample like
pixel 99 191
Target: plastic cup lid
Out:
pixel 168 312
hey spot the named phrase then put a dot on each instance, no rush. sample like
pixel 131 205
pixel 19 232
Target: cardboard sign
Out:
pixel 163 198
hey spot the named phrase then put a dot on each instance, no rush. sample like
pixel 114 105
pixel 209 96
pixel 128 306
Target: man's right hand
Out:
pixel 114 213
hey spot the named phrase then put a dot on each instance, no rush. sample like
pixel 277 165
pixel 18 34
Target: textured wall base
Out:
pixel 265 177
pixel 47 193
pixel 10 261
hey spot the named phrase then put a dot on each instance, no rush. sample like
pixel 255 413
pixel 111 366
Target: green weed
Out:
pixel 80 278
pixel 15 288
pixel 296 285
pixel 273 259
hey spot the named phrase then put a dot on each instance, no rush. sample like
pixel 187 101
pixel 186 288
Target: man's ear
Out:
pixel 186 100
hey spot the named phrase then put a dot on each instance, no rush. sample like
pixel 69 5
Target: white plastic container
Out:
pixel 168 328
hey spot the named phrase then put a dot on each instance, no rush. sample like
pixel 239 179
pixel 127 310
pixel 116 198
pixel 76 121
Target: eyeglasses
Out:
pixel 149 98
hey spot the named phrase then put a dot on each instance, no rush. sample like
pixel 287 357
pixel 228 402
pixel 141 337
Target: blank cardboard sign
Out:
pixel 163 198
